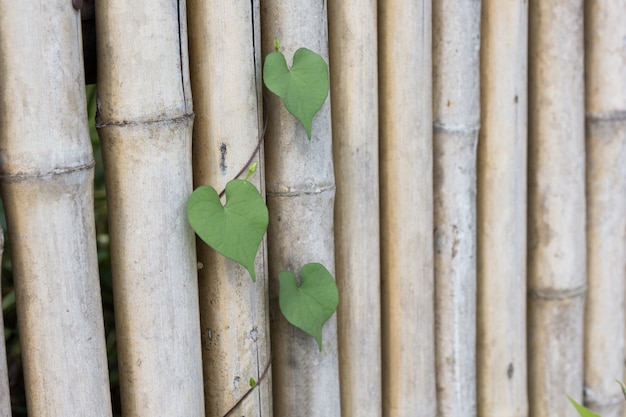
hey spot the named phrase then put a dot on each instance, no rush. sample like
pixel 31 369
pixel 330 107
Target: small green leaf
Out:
pixel 252 383
pixel 583 411
pixel 236 229
pixel 303 88
pixel 308 305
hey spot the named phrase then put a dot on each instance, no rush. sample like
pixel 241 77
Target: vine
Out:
pixel 236 228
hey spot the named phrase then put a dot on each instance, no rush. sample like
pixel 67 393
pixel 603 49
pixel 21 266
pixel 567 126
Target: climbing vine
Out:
pixel 236 228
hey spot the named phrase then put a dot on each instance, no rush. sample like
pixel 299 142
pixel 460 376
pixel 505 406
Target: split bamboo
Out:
pixel 145 120
pixel 300 190
pixel 501 211
pixel 556 207
pixel 5 395
pixel 226 85
pixel 605 64
pixel 406 172
pixel 456 118
pixel 354 79
pixel 46 176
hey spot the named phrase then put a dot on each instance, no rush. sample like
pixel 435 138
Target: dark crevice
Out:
pixel 181 54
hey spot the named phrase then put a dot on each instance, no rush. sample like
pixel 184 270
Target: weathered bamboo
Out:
pixel 354 80
pixel 46 174
pixel 406 172
pixel 501 211
pixel 456 118
pixel 300 196
pixel 556 206
pixel 605 65
pixel 5 395
pixel 226 84
pixel 145 120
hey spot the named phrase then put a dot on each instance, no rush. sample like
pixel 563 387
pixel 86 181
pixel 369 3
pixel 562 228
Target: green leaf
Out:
pixel 583 411
pixel 252 383
pixel 308 305
pixel 236 229
pixel 303 88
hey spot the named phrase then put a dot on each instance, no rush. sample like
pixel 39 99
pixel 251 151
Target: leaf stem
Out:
pixel 267 367
pixel 256 150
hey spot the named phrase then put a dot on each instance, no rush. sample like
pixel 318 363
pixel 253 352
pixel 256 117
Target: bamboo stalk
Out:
pixel 456 104
pixel 353 54
pixel 605 69
pixel 46 173
pixel 145 120
pixel 405 87
pixel 556 206
pixel 5 394
pixel 300 196
pixel 226 83
pixel 501 211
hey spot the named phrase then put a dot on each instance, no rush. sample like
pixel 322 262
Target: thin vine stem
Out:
pixel 267 367
pixel 254 153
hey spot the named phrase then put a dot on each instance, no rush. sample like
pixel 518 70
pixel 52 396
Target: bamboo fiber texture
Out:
pixel 501 205
pixel 405 87
pixel 46 176
pixel 353 52
pixel 145 120
pixel 456 118
pixel 556 206
pixel 226 84
pixel 300 190
pixel 605 87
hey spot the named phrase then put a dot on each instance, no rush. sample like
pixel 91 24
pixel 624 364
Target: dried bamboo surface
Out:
pixel 5 395
pixel 456 118
pixel 300 190
pixel 354 78
pixel 145 120
pixel 405 87
pixel 47 174
pixel 605 68
pixel 556 207
pixel 226 84
pixel 501 205
pixel 47 188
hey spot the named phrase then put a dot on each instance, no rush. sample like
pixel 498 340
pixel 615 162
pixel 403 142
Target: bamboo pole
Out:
pixel 501 211
pixel 226 84
pixel 145 120
pixel 300 196
pixel 556 206
pixel 406 171
pixel 353 56
pixel 456 118
pixel 605 69
pixel 5 394
pixel 46 175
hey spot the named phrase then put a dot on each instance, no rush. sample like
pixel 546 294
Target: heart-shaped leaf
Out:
pixel 303 88
pixel 308 305
pixel 236 229
pixel 583 411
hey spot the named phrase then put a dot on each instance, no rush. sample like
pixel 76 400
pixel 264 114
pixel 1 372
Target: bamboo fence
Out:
pixel 465 183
